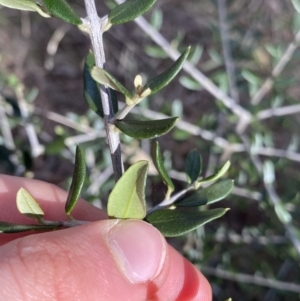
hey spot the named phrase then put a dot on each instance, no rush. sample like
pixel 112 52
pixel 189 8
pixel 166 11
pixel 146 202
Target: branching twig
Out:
pixel 269 113
pixel 5 128
pixel 226 51
pixel 272 194
pixel 243 115
pixel 36 148
pixel 94 26
pixel 268 84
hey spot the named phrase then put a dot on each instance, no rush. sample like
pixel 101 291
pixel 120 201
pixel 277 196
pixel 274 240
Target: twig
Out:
pixel 251 279
pixel 94 26
pixel 268 84
pixel 64 120
pixel 272 194
pixel 74 140
pixel 5 128
pixel 219 141
pixel 243 115
pixel 36 148
pixel 226 51
pixel 53 43
pixel 287 110
pixel 247 238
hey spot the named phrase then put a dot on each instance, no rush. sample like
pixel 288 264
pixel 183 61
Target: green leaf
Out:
pixel 164 78
pixel 129 10
pixel 91 88
pixel 127 199
pixel 220 190
pixel 77 180
pixel 193 165
pixel 221 172
pixel 177 222
pixel 20 4
pixel 159 164
pixel 104 78
pixel 27 205
pixel 15 228
pixel 61 10
pixel 146 129
pixel 114 100
pixel 208 195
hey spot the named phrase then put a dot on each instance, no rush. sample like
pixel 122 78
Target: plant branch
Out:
pixel 251 279
pixel 281 111
pixel 170 201
pixel 230 70
pixel 273 197
pixel 268 84
pixel 243 115
pixel 95 26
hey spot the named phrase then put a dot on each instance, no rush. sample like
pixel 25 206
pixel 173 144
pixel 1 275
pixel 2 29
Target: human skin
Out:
pixel 109 260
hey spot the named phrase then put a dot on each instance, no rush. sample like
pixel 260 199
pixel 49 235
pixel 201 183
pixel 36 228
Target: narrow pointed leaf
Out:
pixel 129 10
pixel 61 10
pixel 220 190
pixel 104 78
pixel 114 100
pixel 127 199
pixel 27 205
pixel 220 173
pixel 164 78
pixel 196 198
pixel 146 129
pixel 77 180
pixel 214 193
pixel 159 164
pixel 176 222
pixel 193 165
pixel 16 228
pixel 91 87
pixel 20 4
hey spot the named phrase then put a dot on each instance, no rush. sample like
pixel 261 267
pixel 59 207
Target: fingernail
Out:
pixel 138 249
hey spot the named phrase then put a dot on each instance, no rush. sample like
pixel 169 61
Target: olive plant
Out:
pixel 180 211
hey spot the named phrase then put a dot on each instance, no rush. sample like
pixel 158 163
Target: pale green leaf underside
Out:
pixel 159 164
pixel 173 223
pixel 127 199
pixel 104 78
pixel 20 4
pixel 27 205
pixel 220 173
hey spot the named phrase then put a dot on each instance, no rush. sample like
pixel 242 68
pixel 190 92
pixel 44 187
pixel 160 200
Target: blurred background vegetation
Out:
pixel 238 99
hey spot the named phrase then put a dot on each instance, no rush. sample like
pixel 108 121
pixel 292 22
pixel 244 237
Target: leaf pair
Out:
pixel 28 206
pixel 155 84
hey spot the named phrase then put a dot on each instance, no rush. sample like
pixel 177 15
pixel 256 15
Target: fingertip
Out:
pixel 184 281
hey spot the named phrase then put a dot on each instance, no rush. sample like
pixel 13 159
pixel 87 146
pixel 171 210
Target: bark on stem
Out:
pixel 94 25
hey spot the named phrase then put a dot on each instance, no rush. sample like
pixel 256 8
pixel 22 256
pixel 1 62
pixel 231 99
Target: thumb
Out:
pixel 105 260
